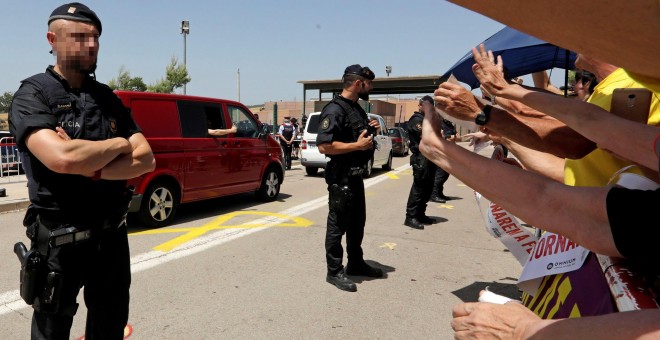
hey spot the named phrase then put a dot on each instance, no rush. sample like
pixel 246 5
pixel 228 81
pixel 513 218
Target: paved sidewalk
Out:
pixel 16 193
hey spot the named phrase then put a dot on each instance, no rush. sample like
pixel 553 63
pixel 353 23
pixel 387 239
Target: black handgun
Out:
pixel 31 272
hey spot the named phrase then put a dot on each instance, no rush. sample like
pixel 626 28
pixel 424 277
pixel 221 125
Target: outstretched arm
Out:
pixel 522 192
pixel 524 125
pixel 633 141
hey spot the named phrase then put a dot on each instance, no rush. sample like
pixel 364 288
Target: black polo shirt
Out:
pixel 92 112
pixel 335 126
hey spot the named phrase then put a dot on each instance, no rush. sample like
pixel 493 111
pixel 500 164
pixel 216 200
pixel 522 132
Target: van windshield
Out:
pixel 313 124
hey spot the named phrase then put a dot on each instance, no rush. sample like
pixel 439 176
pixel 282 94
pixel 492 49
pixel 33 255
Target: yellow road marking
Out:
pixel 219 223
pixel 392 176
pixel 388 245
pixel 447 206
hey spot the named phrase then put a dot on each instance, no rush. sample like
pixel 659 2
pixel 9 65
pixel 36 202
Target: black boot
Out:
pixel 438 199
pixel 413 223
pixel 425 219
pixel 363 269
pixel 341 281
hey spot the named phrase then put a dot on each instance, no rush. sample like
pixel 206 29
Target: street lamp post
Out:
pixel 388 70
pixel 185 30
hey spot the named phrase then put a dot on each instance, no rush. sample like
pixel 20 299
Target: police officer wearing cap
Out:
pixel 346 136
pixel 423 170
pixel 79 145
pixel 287 134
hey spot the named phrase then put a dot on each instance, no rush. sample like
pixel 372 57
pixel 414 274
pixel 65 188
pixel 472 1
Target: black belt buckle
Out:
pixel 355 171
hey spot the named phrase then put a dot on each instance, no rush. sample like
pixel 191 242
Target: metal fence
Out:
pixel 11 169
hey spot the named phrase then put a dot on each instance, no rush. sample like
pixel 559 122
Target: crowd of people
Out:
pixel 569 149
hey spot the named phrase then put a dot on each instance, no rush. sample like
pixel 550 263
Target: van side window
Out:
pixel 197 117
pixel 246 126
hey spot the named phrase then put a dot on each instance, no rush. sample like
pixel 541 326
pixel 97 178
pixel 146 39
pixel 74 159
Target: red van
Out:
pixel 191 165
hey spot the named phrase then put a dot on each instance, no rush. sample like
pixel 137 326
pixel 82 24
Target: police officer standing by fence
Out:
pixel 346 136
pixel 423 169
pixel 79 145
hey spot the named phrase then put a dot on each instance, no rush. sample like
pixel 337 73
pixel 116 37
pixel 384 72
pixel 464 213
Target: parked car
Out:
pixel 400 140
pixel 191 165
pixel 313 160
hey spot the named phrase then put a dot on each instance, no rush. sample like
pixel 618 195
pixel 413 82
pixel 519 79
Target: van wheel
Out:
pixel 368 168
pixel 388 166
pixel 312 171
pixel 270 185
pixel 159 204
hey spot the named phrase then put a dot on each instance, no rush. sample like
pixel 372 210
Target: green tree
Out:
pixel 5 101
pixel 124 81
pixel 175 77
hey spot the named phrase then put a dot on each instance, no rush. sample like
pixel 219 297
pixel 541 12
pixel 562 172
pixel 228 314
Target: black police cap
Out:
pixel 363 72
pixel 77 12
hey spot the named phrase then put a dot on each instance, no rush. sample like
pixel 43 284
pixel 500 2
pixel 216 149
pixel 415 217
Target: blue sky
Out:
pixel 274 43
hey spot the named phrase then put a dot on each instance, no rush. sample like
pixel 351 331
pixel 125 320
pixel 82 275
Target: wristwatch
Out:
pixel 483 116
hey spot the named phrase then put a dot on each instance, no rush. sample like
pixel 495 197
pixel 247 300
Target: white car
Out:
pixel 312 159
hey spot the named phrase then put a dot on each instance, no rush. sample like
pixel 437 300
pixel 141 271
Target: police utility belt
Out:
pixel 56 234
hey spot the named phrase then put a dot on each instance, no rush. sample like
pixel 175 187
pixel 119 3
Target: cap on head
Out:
pixel 426 98
pixel 77 12
pixel 358 70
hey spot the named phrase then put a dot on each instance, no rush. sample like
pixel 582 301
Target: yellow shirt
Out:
pixel 596 168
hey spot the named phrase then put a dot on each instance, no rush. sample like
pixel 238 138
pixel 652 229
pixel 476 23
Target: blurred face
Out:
pixel 75 45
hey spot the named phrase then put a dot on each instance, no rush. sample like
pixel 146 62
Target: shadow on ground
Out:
pixel 470 293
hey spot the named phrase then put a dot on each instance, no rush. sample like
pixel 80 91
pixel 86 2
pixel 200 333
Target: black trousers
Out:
pixel 441 177
pixel 102 266
pixel 286 148
pixel 350 221
pixel 420 191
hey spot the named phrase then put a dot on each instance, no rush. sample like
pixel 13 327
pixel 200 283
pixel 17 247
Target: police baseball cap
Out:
pixel 426 98
pixel 358 70
pixel 77 12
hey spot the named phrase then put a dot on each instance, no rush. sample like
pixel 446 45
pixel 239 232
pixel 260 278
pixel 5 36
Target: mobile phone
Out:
pixel 632 103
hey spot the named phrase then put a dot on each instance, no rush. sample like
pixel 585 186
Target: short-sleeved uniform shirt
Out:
pixel 92 112
pixel 335 126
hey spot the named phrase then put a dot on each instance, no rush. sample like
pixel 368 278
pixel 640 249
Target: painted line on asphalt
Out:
pixel 11 301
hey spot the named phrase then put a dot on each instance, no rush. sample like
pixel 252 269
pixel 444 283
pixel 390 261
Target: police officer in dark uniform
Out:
pixel 346 136
pixel 287 133
pixel 441 176
pixel 79 145
pixel 423 170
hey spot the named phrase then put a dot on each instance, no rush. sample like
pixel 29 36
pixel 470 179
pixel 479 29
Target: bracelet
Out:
pixel 97 175
pixel 492 100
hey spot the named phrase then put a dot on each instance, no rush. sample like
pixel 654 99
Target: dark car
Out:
pixel 400 140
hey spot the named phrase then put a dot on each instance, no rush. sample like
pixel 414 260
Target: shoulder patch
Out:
pixel 418 126
pixel 325 123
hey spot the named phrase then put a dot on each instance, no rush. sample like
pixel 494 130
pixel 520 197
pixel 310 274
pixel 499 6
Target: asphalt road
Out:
pixel 236 268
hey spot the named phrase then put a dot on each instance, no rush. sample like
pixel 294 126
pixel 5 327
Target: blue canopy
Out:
pixel 522 54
